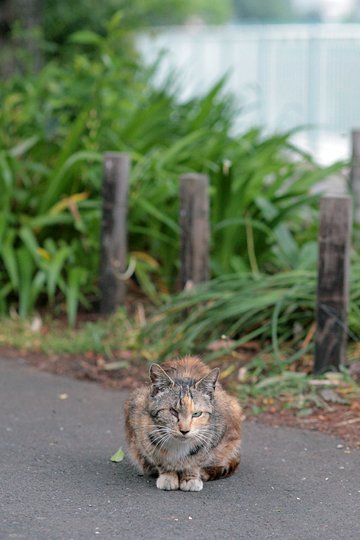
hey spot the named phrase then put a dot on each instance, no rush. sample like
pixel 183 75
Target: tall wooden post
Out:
pixel 194 223
pixel 355 173
pixel 114 230
pixel 333 283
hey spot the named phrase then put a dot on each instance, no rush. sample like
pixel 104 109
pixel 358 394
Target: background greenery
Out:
pixel 54 127
pixel 93 94
pixel 57 19
pixel 75 87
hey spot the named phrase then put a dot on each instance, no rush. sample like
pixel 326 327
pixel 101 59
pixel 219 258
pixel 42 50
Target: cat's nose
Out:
pixel 184 432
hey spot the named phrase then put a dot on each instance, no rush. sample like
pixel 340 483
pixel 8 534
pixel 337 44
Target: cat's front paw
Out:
pixel 168 481
pixel 192 484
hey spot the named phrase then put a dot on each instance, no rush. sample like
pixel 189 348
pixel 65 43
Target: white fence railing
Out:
pixel 295 75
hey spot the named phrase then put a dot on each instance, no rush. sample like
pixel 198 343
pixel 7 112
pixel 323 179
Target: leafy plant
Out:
pixel 276 310
pixel 262 199
pixel 53 130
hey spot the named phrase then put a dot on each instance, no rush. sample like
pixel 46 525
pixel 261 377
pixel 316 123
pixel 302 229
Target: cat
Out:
pixel 183 427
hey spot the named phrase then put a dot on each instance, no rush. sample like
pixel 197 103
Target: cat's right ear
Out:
pixel 208 383
pixel 159 378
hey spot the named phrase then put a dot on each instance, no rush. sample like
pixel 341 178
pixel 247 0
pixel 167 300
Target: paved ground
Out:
pixel 57 482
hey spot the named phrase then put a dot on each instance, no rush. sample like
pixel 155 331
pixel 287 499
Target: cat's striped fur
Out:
pixel 183 427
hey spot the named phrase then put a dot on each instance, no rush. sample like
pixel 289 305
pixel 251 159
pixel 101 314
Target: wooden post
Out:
pixel 194 223
pixel 333 283
pixel 114 230
pixel 355 173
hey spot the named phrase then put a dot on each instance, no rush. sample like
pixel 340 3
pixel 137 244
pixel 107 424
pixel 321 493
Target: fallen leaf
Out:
pixel 116 365
pixel 129 355
pixel 63 396
pixel 242 374
pixel 251 346
pixel 36 324
pixel 220 344
pixel 322 382
pixel 100 362
pixel 334 377
pixel 355 406
pixel 348 422
pixel 228 371
pixel 329 395
pixel 309 336
pixel 118 456
pixel 304 412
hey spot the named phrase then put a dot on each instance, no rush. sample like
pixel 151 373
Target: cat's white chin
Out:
pixel 177 449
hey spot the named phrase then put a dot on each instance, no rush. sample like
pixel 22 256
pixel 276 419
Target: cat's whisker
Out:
pixel 202 438
pixel 160 436
pixel 152 448
pixel 158 433
pixel 165 440
pixel 204 431
pixel 160 443
pixel 161 428
pixel 152 431
pixel 202 442
pixel 203 435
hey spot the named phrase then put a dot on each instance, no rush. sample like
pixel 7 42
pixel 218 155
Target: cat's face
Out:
pixel 181 409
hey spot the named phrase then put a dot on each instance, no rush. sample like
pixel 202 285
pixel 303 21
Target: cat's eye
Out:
pixel 174 412
pixel 196 414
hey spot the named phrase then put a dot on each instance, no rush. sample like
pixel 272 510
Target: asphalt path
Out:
pixel 57 481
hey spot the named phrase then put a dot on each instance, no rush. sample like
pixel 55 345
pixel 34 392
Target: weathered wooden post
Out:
pixel 333 282
pixel 355 173
pixel 116 171
pixel 194 223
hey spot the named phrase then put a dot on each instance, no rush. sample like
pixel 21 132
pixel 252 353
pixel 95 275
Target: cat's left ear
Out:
pixel 159 378
pixel 207 384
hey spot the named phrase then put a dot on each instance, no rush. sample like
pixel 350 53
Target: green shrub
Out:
pixel 276 310
pixel 54 128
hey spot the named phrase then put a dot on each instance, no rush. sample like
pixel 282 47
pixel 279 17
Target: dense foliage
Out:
pixel 262 10
pixel 54 127
pixel 278 311
pixel 63 17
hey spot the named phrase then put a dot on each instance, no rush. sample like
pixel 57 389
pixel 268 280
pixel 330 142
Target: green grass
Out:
pixel 51 336
pixel 277 310
pixel 299 391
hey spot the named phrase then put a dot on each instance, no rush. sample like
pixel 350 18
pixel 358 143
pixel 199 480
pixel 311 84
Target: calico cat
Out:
pixel 183 427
